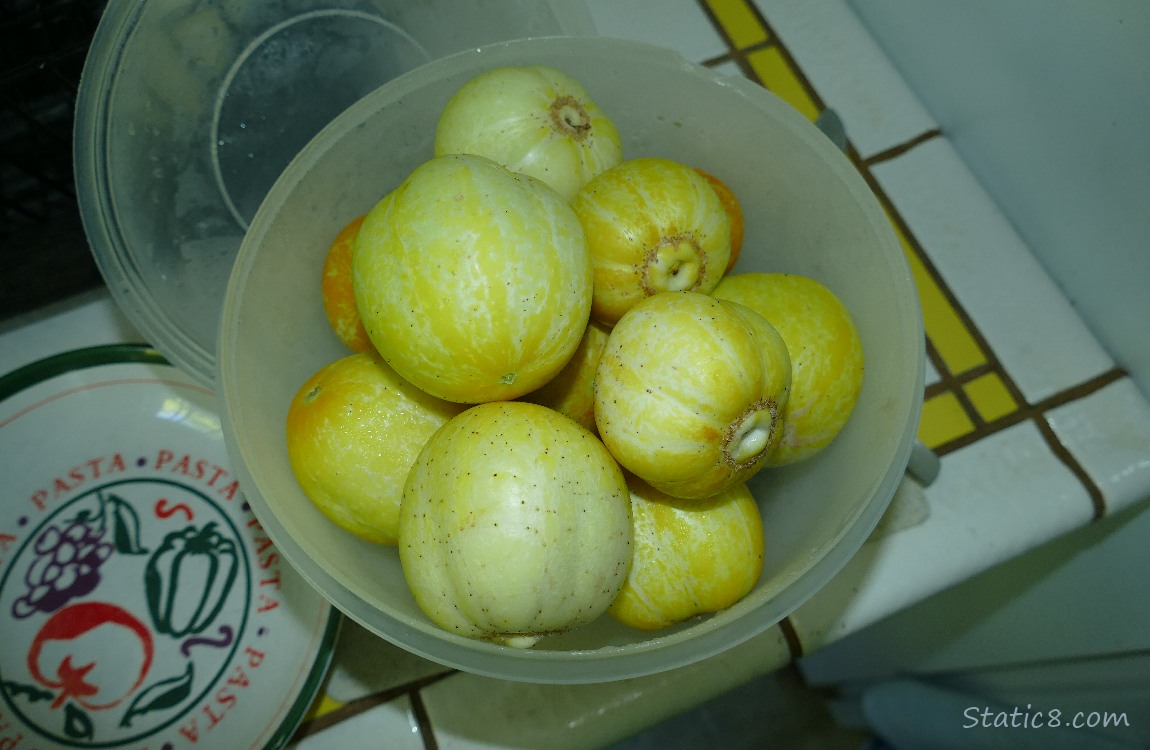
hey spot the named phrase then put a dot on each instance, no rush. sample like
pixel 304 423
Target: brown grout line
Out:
pixel 976 434
pixel 953 381
pixel 944 373
pixel 1085 388
pixel 359 706
pixel 733 53
pixel 800 74
pixel 1097 499
pixel 739 58
pixel 791 636
pixel 1037 414
pixel 948 381
pixel 423 721
pixel 758 14
pixel 968 406
pixel 718 27
pixel 940 367
pixel 944 288
pixel 901 148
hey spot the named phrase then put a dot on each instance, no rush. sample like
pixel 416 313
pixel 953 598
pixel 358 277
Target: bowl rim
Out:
pixel 703 638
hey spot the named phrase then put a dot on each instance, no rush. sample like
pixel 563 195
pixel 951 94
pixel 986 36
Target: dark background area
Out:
pixel 44 254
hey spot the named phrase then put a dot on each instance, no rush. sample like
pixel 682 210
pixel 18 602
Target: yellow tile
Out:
pixel 776 73
pixel 738 21
pixel 943 420
pixel 990 397
pixel 945 329
pixel 320 706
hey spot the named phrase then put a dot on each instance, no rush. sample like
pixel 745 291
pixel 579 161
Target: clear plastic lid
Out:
pixel 189 111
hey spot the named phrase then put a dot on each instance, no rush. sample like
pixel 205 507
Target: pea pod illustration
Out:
pixel 188 578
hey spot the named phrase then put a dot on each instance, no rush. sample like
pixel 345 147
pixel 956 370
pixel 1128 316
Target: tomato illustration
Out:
pixel 86 632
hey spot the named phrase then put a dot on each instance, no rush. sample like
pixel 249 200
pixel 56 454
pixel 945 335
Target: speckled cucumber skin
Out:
pixel 689 391
pixel 473 282
pixel 353 430
pixel 532 119
pixel 515 524
pixel 691 557
pixel 653 225
pixel 826 356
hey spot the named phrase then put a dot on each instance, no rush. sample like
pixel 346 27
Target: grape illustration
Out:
pixel 69 556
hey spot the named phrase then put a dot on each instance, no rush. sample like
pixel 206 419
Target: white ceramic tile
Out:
pixel 849 71
pixel 679 24
pixel 729 68
pixel 1077 586
pixel 1027 320
pixel 1109 433
pixel 519 715
pixel 1054 137
pixel 992 500
pixel 365 664
pixel 390 725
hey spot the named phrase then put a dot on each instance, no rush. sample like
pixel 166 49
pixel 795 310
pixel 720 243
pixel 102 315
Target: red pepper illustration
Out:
pixel 72 680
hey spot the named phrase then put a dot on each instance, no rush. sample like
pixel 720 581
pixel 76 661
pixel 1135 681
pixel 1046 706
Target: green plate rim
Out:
pixel 77 359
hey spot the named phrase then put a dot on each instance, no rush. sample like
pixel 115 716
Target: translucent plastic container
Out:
pixel 189 110
pixel 808 211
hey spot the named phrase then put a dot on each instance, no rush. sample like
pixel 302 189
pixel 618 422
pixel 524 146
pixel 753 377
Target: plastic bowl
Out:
pixel 808 211
pixel 188 112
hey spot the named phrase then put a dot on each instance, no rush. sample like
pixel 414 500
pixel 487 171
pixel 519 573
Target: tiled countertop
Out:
pixel 1039 431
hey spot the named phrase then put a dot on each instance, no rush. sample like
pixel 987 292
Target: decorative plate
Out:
pixel 141 603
